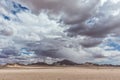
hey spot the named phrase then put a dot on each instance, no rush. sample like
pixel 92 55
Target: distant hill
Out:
pixel 90 64
pixel 13 65
pixel 38 64
pixel 65 62
pixel 58 63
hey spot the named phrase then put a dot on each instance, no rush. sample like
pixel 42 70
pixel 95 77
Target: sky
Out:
pixel 76 30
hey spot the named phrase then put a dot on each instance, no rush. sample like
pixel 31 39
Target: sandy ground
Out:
pixel 60 73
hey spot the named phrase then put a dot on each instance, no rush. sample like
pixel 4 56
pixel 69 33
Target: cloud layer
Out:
pixel 35 29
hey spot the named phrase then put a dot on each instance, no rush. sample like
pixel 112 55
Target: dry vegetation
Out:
pixel 60 73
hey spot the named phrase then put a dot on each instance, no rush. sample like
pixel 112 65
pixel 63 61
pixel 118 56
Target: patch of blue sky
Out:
pixel 91 22
pixel 25 51
pixel 113 45
pixel 18 8
pixel 14 7
pixel 6 17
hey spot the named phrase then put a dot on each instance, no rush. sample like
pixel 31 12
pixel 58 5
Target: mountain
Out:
pixel 58 63
pixel 90 64
pixel 38 64
pixel 65 62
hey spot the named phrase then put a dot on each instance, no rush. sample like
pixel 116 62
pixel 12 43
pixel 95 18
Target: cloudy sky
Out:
pixel 77 30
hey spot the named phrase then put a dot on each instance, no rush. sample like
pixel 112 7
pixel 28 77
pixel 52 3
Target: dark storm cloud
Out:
pixel 91 42
pixel 10 51
pixel 6 31
pixel 100 25
pixel 99 30
pixel 48 48
pixel 97 56
pixel 3 56
pixel 73 12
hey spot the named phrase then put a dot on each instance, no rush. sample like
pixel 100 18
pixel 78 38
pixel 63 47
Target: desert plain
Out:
pixel 60 73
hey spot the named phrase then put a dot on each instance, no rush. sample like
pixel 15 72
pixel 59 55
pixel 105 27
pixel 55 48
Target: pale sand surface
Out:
pixel 60 73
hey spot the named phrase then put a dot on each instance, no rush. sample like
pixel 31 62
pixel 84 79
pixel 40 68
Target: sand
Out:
pixel 60 73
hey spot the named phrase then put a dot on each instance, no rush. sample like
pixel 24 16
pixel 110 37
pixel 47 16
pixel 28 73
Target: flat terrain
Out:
pixel 60 73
